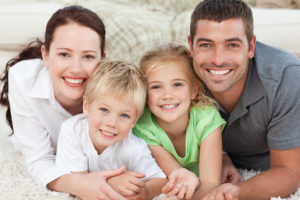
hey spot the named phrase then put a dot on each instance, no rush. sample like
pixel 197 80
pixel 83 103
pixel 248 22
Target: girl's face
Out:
pixel 72 58
pixel 170 92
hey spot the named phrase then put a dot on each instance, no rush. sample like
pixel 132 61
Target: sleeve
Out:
pixel 70 155
pixel 207 122
pixel 31 138
pixel 284 127
pixel 142 161
pixel 147 130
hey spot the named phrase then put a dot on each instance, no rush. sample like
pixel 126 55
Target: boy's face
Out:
pixel 110 120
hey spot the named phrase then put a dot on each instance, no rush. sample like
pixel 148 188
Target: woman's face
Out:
pixel 73 56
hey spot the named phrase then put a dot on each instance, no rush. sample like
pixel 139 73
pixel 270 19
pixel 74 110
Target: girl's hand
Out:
pixel 182 183
pixel 127 184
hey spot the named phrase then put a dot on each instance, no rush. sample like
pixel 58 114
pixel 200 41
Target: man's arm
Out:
pixel 282 179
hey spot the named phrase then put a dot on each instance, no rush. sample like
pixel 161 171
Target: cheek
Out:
pixel 151 99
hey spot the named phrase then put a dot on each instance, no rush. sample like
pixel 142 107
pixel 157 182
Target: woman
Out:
pixel 44 86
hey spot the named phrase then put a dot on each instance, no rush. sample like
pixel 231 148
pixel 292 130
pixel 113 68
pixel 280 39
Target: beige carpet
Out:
pixel 16 184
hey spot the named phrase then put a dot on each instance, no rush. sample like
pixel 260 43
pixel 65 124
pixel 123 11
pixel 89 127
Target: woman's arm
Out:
pixel 210 163
pixel 91 186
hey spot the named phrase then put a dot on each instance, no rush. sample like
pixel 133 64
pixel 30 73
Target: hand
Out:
pixel 226 191
pixel 229 172
pixel 127 184
pixel 182 183
pixel 96 187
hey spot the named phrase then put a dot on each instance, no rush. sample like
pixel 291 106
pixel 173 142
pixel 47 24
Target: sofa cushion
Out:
pixel 131 30
pixel 22 22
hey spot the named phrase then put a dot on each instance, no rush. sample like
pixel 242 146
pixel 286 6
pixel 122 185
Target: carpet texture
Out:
pixel 16 183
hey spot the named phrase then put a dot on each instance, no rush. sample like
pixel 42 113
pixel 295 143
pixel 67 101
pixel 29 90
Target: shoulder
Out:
pixel 27 68
pixel 26 72
pixel 75 125
pixel 132 144
pixel 272 62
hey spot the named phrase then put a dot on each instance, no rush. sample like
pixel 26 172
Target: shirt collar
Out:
pixel 41 87
pixel 252 93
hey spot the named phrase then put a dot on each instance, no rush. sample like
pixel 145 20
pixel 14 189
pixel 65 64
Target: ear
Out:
pixel 190 44
pixel 45 55
pixel 195 90
pixel 85 105
pixel 251 50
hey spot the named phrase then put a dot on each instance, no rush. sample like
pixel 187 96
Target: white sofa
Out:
pixel 132 26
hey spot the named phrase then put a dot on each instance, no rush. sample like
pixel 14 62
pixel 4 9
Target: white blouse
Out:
pixel 36 117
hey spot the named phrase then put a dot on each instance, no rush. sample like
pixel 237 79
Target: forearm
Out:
pixel 68 183
pixel 153 187
pixel 203 189
pixel 274 182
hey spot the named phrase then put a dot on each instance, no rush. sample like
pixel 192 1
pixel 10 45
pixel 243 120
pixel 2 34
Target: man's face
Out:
pixel 221 54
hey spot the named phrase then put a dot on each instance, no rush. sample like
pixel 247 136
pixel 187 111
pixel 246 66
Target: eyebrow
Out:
pixel 227 40
pixel 62 48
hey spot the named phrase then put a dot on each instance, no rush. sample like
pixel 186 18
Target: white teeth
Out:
pixel 74 81
pixel 107 133
pixel 169 106
pixel 219 72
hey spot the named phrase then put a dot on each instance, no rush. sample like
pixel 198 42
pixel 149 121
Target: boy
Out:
pixel 101 138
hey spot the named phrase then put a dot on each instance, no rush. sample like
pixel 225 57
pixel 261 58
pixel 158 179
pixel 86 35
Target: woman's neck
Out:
pixel 74 107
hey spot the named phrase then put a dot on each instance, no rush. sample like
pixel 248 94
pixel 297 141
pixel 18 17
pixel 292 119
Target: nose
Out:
pixel 76 64
pixel 110 120
pixel 167 93
pixel 218 56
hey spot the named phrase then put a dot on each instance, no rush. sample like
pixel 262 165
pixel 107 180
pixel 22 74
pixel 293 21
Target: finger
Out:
pixel 236 179
pixel 182 191
pixel 189 193
pixel 134 188
pixel 112 194
pixel 115 172
pixel 228 196
pixel 220 196
pixel 175 190
pixel 168 187
pixel 136 174
pixel 139 183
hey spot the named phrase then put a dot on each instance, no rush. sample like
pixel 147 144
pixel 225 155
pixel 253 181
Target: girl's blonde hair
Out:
pixel 119 79
pixel 171 52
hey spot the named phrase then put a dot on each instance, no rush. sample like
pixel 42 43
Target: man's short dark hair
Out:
pixel 220 10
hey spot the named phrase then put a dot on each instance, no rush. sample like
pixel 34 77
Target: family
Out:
pixel 181 123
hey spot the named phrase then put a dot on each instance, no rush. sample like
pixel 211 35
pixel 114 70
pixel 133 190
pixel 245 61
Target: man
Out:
pixel 257 88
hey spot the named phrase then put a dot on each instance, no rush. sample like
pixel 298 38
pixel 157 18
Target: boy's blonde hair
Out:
pixel 171 52
pixel 119 79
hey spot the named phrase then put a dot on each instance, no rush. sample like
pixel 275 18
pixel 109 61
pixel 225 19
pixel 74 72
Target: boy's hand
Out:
pixel 127 184
pixel 182 183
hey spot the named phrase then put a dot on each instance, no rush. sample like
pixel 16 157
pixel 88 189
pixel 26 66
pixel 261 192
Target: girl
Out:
pixel 44 86
pixel 180 121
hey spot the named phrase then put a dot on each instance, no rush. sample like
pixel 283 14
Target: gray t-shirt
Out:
pixel 268 113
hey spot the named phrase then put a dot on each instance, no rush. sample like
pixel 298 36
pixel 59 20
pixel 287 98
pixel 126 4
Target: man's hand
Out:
pixel 229 172
pixel 225 191
pixel 128 184
pixel 182 183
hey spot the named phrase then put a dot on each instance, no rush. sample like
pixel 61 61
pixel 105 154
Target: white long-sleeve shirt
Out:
pixel 36 117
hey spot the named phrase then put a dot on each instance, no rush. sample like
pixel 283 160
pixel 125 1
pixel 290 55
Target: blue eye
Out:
pixel 104 110
pixel 125 116
pixel 204 45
